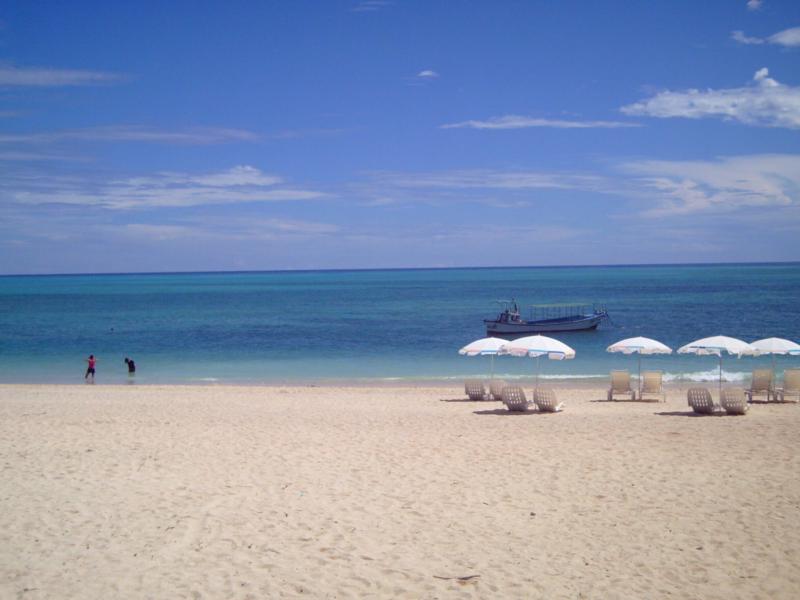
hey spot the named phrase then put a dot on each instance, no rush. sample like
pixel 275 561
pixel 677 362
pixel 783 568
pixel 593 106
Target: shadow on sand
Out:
pixel 690 413
pixel 466 400
pixel 507 413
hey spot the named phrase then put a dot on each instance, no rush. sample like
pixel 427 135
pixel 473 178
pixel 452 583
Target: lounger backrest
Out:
pixel 791 380
pixel 762 380
pixel 496 388
pixel 545 399
pixel 514 398
pixel 474 389
pixel 700 400
pixel 734 401
pixel 652 382
pixel 620 381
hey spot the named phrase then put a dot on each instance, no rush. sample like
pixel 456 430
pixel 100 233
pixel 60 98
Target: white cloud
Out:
pixel 370 5
pixel 787 37
pixel 790 38
pixel 428 74
pixel 724 185
pixel 225 228
pixel 740 37
pixel 483 179
pixel 243 184
pixel 44 77
pixel 754 4
pixel 195 136
pixel 766 103
pixel 521 122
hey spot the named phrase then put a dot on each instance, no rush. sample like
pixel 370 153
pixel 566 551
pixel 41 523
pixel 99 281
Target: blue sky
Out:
pixel 185 136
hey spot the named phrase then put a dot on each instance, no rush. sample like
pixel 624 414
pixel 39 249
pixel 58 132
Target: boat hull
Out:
pixel 547 325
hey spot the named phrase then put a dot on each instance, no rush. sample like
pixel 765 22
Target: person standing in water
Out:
pixel 90 369
pixel 131 366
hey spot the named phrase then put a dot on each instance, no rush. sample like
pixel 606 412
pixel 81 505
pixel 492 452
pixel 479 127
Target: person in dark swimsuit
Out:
pixel 131 366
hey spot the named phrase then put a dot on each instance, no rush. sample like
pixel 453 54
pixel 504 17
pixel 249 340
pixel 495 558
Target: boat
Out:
pixel 545 318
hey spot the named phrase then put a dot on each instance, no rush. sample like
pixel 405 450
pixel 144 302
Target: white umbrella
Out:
pixel 484 347
pixel 536 346
pixel 639 345
pixel 716 345
pixel 776 346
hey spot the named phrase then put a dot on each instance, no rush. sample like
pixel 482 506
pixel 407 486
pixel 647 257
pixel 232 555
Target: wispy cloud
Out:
pixel 789 38
pixel 521 122
pixel 754 4
pixel 195 136
pixel 243 184
pixel 428 74
pixel 719 186
pixel 485 179
pixel 370 5
pixel 226 228
pixel 766 103
pixel 739 36
pixel 46 77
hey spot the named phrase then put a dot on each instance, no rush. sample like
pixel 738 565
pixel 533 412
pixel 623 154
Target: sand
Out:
pixel 401 492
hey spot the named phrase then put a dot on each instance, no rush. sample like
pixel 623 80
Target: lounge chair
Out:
pixel 474 389
pixel 760 384
pixel 546 401
pixel 514 398
pixel 734 401
pixel 496 389
pixel 791 385
pixel 620 384
pixel 701 402
pixel 651 385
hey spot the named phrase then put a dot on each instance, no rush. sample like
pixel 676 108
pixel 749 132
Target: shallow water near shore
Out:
pixel 383 325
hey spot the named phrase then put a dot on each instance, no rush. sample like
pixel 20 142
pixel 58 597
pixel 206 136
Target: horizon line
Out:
pixel 374 269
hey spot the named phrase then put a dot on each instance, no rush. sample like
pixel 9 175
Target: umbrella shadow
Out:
pixel 507 413
pixel 464 400
pixel 684 413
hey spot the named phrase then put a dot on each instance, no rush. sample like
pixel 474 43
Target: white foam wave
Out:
pixel 711 375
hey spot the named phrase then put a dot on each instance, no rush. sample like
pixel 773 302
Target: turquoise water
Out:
pixel 375 325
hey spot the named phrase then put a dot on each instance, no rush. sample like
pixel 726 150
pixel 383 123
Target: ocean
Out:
pixel 377 325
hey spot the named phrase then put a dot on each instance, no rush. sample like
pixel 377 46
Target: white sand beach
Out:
pixel 390 492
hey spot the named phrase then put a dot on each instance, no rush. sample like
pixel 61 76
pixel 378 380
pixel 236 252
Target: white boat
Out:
pixel 545 318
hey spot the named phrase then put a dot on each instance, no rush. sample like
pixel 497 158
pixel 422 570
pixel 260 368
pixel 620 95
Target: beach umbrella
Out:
pixel 484 347
pixel 716 346
pixel 639 345
pixel 536 346
pixel 775 346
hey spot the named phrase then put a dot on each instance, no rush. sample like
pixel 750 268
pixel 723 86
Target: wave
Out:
pixel 668 377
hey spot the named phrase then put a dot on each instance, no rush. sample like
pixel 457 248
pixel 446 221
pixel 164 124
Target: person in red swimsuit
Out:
pixel 90 369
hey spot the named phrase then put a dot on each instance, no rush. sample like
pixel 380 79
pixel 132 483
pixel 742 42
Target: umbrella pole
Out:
pixel 639 354
pixel 720 376
pixel 536 384
pixel 492 368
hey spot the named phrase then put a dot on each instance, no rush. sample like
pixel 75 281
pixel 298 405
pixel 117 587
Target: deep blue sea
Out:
pixel 276 327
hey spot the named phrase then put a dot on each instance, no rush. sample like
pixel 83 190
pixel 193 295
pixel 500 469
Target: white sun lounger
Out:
pixel 546 401
pixel 514 398
pixel 496 389
pixel 621 384
pixel 701 402
pixel 652 385
pixel 474 389
pixel 734 401
pixel 791 385
pixel 761 383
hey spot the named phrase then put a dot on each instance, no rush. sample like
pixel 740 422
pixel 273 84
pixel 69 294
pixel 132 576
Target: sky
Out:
pixel 207 136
